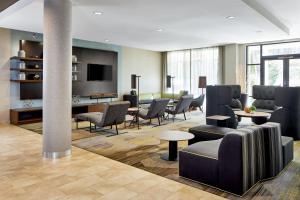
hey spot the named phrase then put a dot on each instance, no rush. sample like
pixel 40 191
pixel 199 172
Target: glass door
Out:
pixel 294 72
pixel 274 72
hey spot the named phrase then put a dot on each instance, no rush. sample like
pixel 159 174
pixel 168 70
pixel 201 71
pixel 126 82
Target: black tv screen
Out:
pixel 31 91
pixel 96 72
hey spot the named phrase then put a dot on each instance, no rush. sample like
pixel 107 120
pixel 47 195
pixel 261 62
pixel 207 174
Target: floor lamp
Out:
pixel 170 84
pixel 202 82
pixel 135 84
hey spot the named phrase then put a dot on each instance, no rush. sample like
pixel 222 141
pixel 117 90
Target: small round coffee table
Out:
pixel 242 113
pixel 173 137
pixel 258 117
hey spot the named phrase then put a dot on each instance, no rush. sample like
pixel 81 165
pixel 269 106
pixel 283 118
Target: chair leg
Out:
pixel 201 109
pixel 184 115
pixel 90 127
pixel 110 126
pixel 158 120
pixel 173 118
pixel 117 129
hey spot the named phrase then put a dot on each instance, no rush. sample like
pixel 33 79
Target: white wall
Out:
pixel 230 61
pixel 147 64
pixel 5 54
pixel 234 65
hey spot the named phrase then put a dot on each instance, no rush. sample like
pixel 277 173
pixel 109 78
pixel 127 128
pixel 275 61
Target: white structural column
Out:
pixel 57 84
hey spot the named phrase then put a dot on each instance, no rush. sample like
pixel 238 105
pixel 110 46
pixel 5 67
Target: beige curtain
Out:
pixel 164 72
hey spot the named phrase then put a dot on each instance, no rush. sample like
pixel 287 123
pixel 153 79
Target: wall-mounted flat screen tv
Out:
pixel 97 72
pixel 31 91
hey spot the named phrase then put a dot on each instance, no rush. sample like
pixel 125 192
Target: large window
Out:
pixel 273 64
pixel 253 67
pixel 178 65
pixel 187 65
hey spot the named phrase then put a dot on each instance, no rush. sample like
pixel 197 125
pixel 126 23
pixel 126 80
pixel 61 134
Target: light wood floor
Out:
pixel 24 174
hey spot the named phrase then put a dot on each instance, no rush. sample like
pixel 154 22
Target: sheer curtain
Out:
pixel 205 62
pixel 188 65
pixel 178 66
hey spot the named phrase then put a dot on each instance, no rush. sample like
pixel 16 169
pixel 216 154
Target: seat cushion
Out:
pixel 96 119
pixel 207 148
pixel 208 132
pixel 287 149
pixel 143 113
pixel 85 116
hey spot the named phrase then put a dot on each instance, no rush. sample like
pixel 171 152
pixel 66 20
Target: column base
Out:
pixel 55 155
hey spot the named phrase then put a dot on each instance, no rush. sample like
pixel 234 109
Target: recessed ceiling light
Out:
pixel 259 31
pixel 106 40
pixel 159 30
pixel 97 13
pixel 230 17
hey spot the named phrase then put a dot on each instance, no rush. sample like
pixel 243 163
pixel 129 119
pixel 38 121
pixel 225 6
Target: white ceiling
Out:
pixel 185 23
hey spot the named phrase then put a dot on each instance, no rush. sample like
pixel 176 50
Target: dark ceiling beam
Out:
pixel 7 3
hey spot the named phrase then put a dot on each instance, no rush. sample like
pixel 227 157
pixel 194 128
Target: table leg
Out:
pixel 173 149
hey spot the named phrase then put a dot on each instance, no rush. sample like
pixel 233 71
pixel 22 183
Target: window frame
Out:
pixel 285 59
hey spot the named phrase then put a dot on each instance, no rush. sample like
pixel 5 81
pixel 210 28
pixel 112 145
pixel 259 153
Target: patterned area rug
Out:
pixel 142 149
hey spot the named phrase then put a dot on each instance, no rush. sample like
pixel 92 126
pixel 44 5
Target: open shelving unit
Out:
pixel 32 70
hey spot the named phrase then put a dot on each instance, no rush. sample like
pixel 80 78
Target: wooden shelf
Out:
pixel 26 70
pixel 27 81
pixel 34 59
pixel 26 59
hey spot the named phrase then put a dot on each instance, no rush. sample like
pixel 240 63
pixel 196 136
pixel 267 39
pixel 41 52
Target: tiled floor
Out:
pixel 24 174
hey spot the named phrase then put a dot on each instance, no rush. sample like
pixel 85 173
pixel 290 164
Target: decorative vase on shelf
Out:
pixel 74 68
pixel 74 58
pixel 21 54
pixel 36 77
pixel 22 76
pixel 22 65
pixel 74 77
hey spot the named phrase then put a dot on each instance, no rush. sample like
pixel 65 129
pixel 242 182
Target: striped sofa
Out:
pixel 237 161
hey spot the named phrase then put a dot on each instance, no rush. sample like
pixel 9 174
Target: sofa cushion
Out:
pixel 208 132
pixel 207 148
pixel 236 104
pixel 265 104
pixel 264 92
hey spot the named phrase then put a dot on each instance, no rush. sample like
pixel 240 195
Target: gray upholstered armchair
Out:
pixel 198 102
pixel 156 110
pixel 264 101
pixel 181 107
pixel 114 113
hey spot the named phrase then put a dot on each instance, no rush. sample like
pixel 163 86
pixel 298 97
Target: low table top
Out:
pixel 133 109
pixel 176 136
pixel 242 113
pixel 218 117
